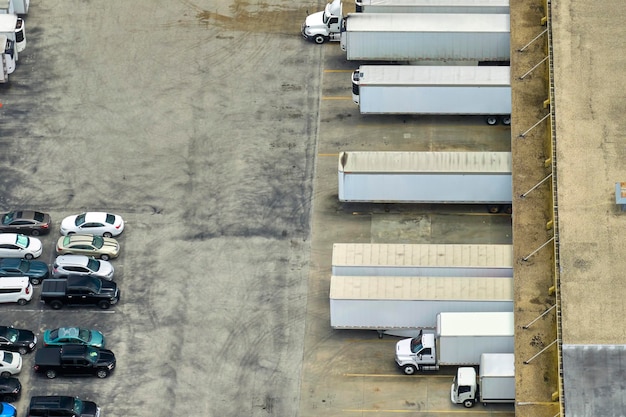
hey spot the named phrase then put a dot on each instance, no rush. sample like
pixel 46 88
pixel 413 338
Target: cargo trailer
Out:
pixel 433 6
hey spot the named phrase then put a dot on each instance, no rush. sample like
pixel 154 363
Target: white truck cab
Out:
pixel 464 387
pixel 7 59
pixel 324 26
pixel 417 353
pixel 13 28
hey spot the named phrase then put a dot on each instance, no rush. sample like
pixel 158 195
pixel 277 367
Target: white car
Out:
pixel 14 245
pixel 65 265
pixel 10 363
pixel 93 223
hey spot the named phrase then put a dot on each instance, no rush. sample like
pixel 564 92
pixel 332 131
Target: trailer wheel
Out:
pixel 506 120
pixel 493 208
pixel 320 39
pixel 409 369
pixel 491 120
pixel 468 403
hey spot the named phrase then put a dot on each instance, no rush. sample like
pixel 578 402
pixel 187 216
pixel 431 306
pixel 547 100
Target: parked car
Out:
pixel 14 245
pixel 10 363
pixel 61 406
pixel 93 223
pixel 36 271
pixel 25 221
pixel 75 360
pixel 17 340
pixel 74 336
pixel 65 265
pixel 16 290
pixel 10 388
pixel 7 410
pixel 101 247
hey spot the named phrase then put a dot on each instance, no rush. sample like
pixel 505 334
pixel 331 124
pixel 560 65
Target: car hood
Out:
pixel 34 244
pixel 106 270
pixel 38 269
pixel 11 383
pixel 106 357
pixel 68 223
pixel 25 337
pixel 108 287
pixel 90 409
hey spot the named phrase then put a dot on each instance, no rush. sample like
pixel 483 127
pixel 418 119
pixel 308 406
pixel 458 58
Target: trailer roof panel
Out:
pixel 497 364
pixel 475 324
pixel 398 254
pixel 433 162
pixel 421 288
pixel 426 75
pixel 428 22
pixel 439 3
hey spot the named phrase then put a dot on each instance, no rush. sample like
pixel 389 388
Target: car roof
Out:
pixel 11 261
pixel 69 331
pixel 14 281
pixel 72 259
pixel 8 237
pixel 96 215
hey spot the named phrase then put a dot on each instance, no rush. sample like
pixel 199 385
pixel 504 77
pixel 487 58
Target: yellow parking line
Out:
pixel 337 98
pixel 399 376
pixel 329 70
pixel 463 411
pixel 328 154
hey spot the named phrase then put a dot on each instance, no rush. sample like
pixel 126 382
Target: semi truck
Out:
pixel 460 338
pixel 13 28
pixel 495 382
pixel 7 61
pixel 427 177
pixel 412 260
pixel 438 37
pixel 321 27
pixel 433 6
pixel 401 306
pixel 434 90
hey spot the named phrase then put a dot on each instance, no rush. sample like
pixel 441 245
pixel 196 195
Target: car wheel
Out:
pixel 56 305
pixel 22 351
pixel 29 256
pixel 104 305
pixel 22 301
pixel 102 373
pixel 51 374
pixel 35 232
pixel 5 374
pixel 107 234
pixel 104 257
pixel 35 281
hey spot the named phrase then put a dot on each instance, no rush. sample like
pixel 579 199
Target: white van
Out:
pixel 15 290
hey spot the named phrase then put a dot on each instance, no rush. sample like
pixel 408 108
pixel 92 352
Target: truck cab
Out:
pixel 324 26
pixel 8 58
pixel 13 28
pixel 464 387
pixel 417 354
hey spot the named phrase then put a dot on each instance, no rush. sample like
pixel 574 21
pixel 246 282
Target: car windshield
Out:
pixel 93 264
pixel 8 217
pixel 22 240
pixel 11 335
pixel 80 219
pixel 94 284
pixel 78 407
pixel 7 357
pixel 83 334
pixel 92 355
pixel 98 242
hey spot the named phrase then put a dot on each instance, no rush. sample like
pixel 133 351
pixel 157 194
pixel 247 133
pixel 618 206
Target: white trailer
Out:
pixel 495 383
pixel 426 37
pixel 400 306
pixel 434 90
pixel 433 6
pixel 13 28
pixel 7 60
pixel 460 339
pixel 427 177
pixel 21 6
pixel 6 7
pixel 431 260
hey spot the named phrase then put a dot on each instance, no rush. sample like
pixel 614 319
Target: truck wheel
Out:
pixel 5 374
pixel 104 257
pixel 51 374
pixel 409 369
pixel 506 120
pixel 35 281
pixel 104 305
pixel 493 208
pixel 320 39
pixel 491 120
pixel 468 403
pixel 22 301
pixel 56 305
pixel 102 373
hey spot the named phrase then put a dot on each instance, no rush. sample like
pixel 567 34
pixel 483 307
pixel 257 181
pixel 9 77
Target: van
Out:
pixel 15 290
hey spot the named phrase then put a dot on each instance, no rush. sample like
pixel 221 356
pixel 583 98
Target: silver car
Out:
pixel 65 265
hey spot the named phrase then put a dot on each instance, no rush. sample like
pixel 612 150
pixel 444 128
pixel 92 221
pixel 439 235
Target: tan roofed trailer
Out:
pixel 401 306
pixel 433 6
pixel 435 260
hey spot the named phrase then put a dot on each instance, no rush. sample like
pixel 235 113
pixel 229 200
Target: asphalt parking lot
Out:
pixel 213 129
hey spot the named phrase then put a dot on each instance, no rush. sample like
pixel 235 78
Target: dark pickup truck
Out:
pixel 79 291
pixel 62 406
pixel 76 360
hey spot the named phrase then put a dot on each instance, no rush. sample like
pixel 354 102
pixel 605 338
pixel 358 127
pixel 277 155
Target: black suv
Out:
pixel 60 406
